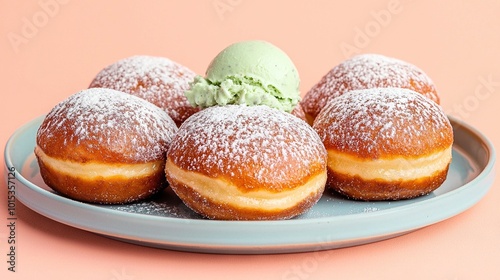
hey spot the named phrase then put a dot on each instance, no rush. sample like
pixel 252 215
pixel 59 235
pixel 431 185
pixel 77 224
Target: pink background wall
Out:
pixel 50 49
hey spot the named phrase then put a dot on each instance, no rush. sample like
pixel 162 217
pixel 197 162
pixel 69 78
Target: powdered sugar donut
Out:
pixel 104 146
pixel 238 162
pixel 155 79
pixel 385 143
pixel 366 71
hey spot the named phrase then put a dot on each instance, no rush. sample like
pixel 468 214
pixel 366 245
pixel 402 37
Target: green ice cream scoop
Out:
pixel 248 72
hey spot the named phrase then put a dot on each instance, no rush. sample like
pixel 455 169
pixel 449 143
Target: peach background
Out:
pixel 456 42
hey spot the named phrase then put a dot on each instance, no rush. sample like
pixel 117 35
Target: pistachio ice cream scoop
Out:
pixel 251 73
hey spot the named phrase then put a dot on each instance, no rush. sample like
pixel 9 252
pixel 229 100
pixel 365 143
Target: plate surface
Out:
pixel 334 222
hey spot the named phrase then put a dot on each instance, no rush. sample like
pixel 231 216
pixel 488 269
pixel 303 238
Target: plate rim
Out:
pixel 486 173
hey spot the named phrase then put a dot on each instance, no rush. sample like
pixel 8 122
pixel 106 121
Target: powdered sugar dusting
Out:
pixel 155 79
pixel 220 140
pixel 101 119
pixel 367 71
pixel 166 205
pixel 378 122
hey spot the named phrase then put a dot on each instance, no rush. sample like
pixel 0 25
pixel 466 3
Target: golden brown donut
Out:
pixel 238 162
pixel 155 79
pixel 366 71
pixel 385 144
pixel 104 146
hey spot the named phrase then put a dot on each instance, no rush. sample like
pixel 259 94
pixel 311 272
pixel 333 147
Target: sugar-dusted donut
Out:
pixel 158 80
pixel 104 146
pixel 238 162
pixel 385 144
pixel 366 71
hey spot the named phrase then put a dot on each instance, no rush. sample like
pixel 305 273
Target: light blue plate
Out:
pixel 334 222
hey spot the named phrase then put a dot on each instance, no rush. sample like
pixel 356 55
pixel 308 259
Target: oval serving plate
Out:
pixel 334 222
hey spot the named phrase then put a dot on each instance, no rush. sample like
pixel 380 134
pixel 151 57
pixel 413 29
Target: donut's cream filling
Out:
pixel 398 168
pixel 93 170
pixel 223 192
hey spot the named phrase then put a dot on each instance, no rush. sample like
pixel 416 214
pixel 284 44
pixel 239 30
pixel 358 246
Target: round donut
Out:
pixel 104 146
pixel 238 162
pixel 366 71
pixel 155 79
pixel 385 144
